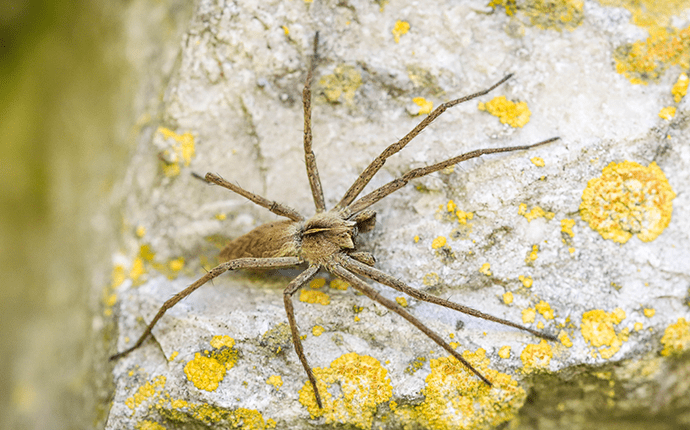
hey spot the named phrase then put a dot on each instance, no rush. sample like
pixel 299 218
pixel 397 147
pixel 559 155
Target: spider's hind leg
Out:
pixel 309 157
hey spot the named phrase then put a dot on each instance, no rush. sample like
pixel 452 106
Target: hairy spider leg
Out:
pixel 386 279
pixel 240 263
pixel 394 185
pixel 309 157
pixel 379 161
pixel 339 270
pixel 291 289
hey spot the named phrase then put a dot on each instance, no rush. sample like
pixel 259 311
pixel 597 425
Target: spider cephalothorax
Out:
pixel 328 240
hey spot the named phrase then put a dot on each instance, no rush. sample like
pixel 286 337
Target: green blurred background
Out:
pixel 64 102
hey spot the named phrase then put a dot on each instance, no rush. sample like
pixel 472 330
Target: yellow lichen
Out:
pixel 676 338
pixel 343 82
pixel 204 372
pixel 504 352
pixel 183 151
pixel 638 326
pixel 173 355
pixel 317 330
pixel 537 161
pixel 431 279
pixel 311 296
pixel 567 225
pixel 137 269
pixel 148 425
pixel 597 328
pixel 533 254
pixel 401 27
pixel 140 231
pixel 220 216
pixel 680 88
pixel 565 339
pixel 534 213
pixel 485 269
pixel 527 281
pixel 363 385
pixel 275 380
pixel 463 216
pixel 416 238
pixel 536 356
pixel 451 206
pixel 649 312
pixel 145 392
pixel 528 315
pixel 221 341
pixel 456 399
pixel 402 301
pixel 117 276
pixel 667 113
pixel 317 283
pixel 339 284
pixel 177 264
pixel 425 106
pixel 508 112
pixel 508 298
pixel 439 242
pixel 628 199
pixel 545 310
pixel 285 30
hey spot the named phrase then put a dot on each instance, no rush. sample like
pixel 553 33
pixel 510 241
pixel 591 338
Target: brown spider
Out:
pixel 327 239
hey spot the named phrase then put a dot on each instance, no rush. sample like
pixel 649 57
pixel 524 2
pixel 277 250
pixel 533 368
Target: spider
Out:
pixel 328 240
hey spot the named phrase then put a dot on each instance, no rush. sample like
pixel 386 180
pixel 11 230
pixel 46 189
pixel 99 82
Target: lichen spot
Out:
pixel 597 328
pixel 527 281
pixel 439 242
pixel 504 352
pixel 431 279
pixel 676 338
pixel 140 231
pixel 317 283
pixel 536 356
pixel 344 82
pixel 402 301
pixel 508 298
pixel 456 399
pixel 508 112
pixel 485 269
pixel 537 161
pixel 204 372
pixel 565 339
pixel 667 113
pixel 463 216
pixel 182 150
pixel 649 312
pixel 680 88
pixel 220 341
pixel 534 213
pixel 567 225
pixel 149 425
pixel 544 309
pixel 528 315
pixel 628 199
pixel 145 392
pixel 401 27
pixel 275 380
pixel 339 284
pixel 312 296
pixel 425 106
pixel 363 385
pixel 177 264
pixel 317 330
pixel 532 255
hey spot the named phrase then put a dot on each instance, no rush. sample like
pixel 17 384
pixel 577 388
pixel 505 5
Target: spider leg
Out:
pixel 309 157
pixel 338 270
pixel 275 207
pixel 394 185
pixel 291 289
pixel 240 263
pixel 379 161
pixel 386 279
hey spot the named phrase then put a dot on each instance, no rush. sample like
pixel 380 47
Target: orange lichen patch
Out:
pixel 528 315
pixel 645 61
pixel 145 392
pixel 339 284
pixel 676 338
pixel 425 106
pixel 275 380
pixel 485 269
pixel 649 312
pixel 401 27
pixel 311 296
pixel 597 328
pixel 317 283
pixel 567 225
pixel 182 151
pixel 508 298
pixel 680 88
pixel 536 356
pixel 222 341
pixel 527 281
pixel 504 352
pixel 204 372
pixel 402 301
pixel 537 161
pixel 456 399
pixel 628 199
pixel 363 384
pixel 565 339
pixel 667 113
pixel 439 242
pixel 317 330
pixel 344 81
pixel 534 213
pixel 544 309
pixel 508 112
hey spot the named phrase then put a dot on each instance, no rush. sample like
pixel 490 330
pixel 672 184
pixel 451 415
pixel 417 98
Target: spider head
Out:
pixel 326 234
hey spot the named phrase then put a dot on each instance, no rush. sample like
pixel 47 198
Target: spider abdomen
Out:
pixel 270 240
